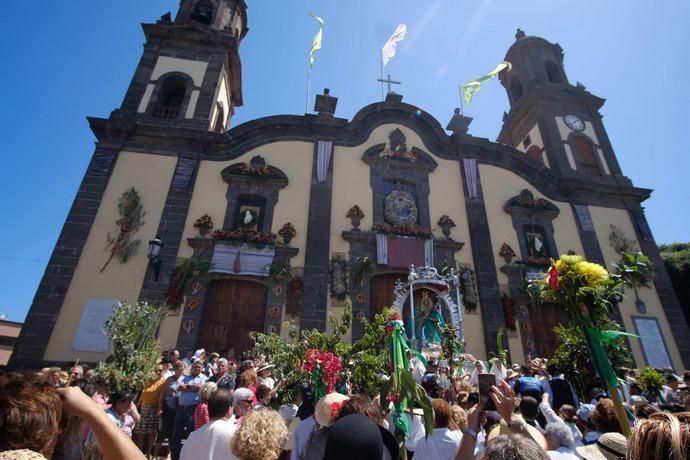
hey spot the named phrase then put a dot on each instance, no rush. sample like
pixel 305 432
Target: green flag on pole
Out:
pixel 471 87
pixel 316 43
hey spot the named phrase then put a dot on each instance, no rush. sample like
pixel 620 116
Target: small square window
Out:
pixel 527 142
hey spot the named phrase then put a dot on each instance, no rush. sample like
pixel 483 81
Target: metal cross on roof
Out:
pixel 389 82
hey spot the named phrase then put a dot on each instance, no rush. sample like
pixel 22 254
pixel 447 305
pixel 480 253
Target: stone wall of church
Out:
pixel 603 218
pixel 150 175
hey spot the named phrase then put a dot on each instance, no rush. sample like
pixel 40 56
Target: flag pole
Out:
pixel 306 102
pixel 462 109
pixel 383 97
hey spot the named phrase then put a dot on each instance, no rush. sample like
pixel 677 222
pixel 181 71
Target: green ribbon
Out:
pixel 596 339
pixel 317 385
pixel 610 336
pixel 399 364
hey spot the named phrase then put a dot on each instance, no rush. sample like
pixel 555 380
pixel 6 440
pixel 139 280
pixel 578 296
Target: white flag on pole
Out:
pixel 391 46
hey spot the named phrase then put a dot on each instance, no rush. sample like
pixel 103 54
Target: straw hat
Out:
pixel 610 446
pixel 264 366
pixel 328 408
pixel 529 431
pixel 511 374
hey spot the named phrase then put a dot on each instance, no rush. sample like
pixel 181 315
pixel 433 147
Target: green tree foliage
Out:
pixel 651 380
pixel 132 331
pixel 571 354
pixel 364 362
pixel 676 257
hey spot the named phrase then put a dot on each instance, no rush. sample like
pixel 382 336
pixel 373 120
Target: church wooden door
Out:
pixel 382 294
pixel 544 318
pixel 233 309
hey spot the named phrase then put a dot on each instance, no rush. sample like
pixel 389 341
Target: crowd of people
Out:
pixel 218 406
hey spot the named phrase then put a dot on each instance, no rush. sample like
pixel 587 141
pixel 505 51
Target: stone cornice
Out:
pixel 141 135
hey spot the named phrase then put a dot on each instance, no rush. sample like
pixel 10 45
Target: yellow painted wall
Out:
pixel 209 196
pixel 499 186
pixel 603 218
pixel 446 196
pixel 150 175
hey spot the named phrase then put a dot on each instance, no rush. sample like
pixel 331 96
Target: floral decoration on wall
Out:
pixel 339 283
pixel 121 242
pixel 404 230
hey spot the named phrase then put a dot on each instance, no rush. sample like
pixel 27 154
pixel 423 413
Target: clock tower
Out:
pixel 552 121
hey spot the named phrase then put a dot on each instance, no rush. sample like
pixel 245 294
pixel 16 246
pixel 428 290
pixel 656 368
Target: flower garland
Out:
pixel 244 236
pixel 404 230
pixel 324 369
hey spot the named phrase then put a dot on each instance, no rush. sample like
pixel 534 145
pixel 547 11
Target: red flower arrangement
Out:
pixel 393 318
pixel 330 365
pixel 404 230
pixel 244 236
pixel 553 278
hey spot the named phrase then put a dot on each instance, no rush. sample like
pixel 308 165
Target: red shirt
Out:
pixel 200 415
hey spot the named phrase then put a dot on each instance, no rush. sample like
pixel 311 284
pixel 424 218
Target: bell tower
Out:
pixel 190 73
pixel 552 121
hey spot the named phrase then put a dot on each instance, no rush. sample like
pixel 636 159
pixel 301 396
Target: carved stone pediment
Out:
pixel 396 153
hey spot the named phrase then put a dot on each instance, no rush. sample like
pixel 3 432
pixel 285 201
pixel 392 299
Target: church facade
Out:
pixel 284 218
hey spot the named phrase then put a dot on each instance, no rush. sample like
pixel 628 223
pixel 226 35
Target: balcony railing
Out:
pixel 166 112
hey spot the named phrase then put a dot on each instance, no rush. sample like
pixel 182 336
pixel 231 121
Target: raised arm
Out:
pixel 114 444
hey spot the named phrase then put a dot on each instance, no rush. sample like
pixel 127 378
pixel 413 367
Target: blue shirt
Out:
pixel 191 398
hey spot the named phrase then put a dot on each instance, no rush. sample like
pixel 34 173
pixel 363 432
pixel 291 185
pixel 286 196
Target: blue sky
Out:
pixel 63 61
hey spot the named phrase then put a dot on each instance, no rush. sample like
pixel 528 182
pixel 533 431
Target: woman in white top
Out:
pixel 566 415
pixel 442 443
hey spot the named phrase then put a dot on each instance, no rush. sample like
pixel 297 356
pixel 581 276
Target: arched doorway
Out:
pixel 233 308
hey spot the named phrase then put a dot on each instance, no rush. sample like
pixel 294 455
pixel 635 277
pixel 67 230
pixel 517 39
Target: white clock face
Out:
pixel 574 122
